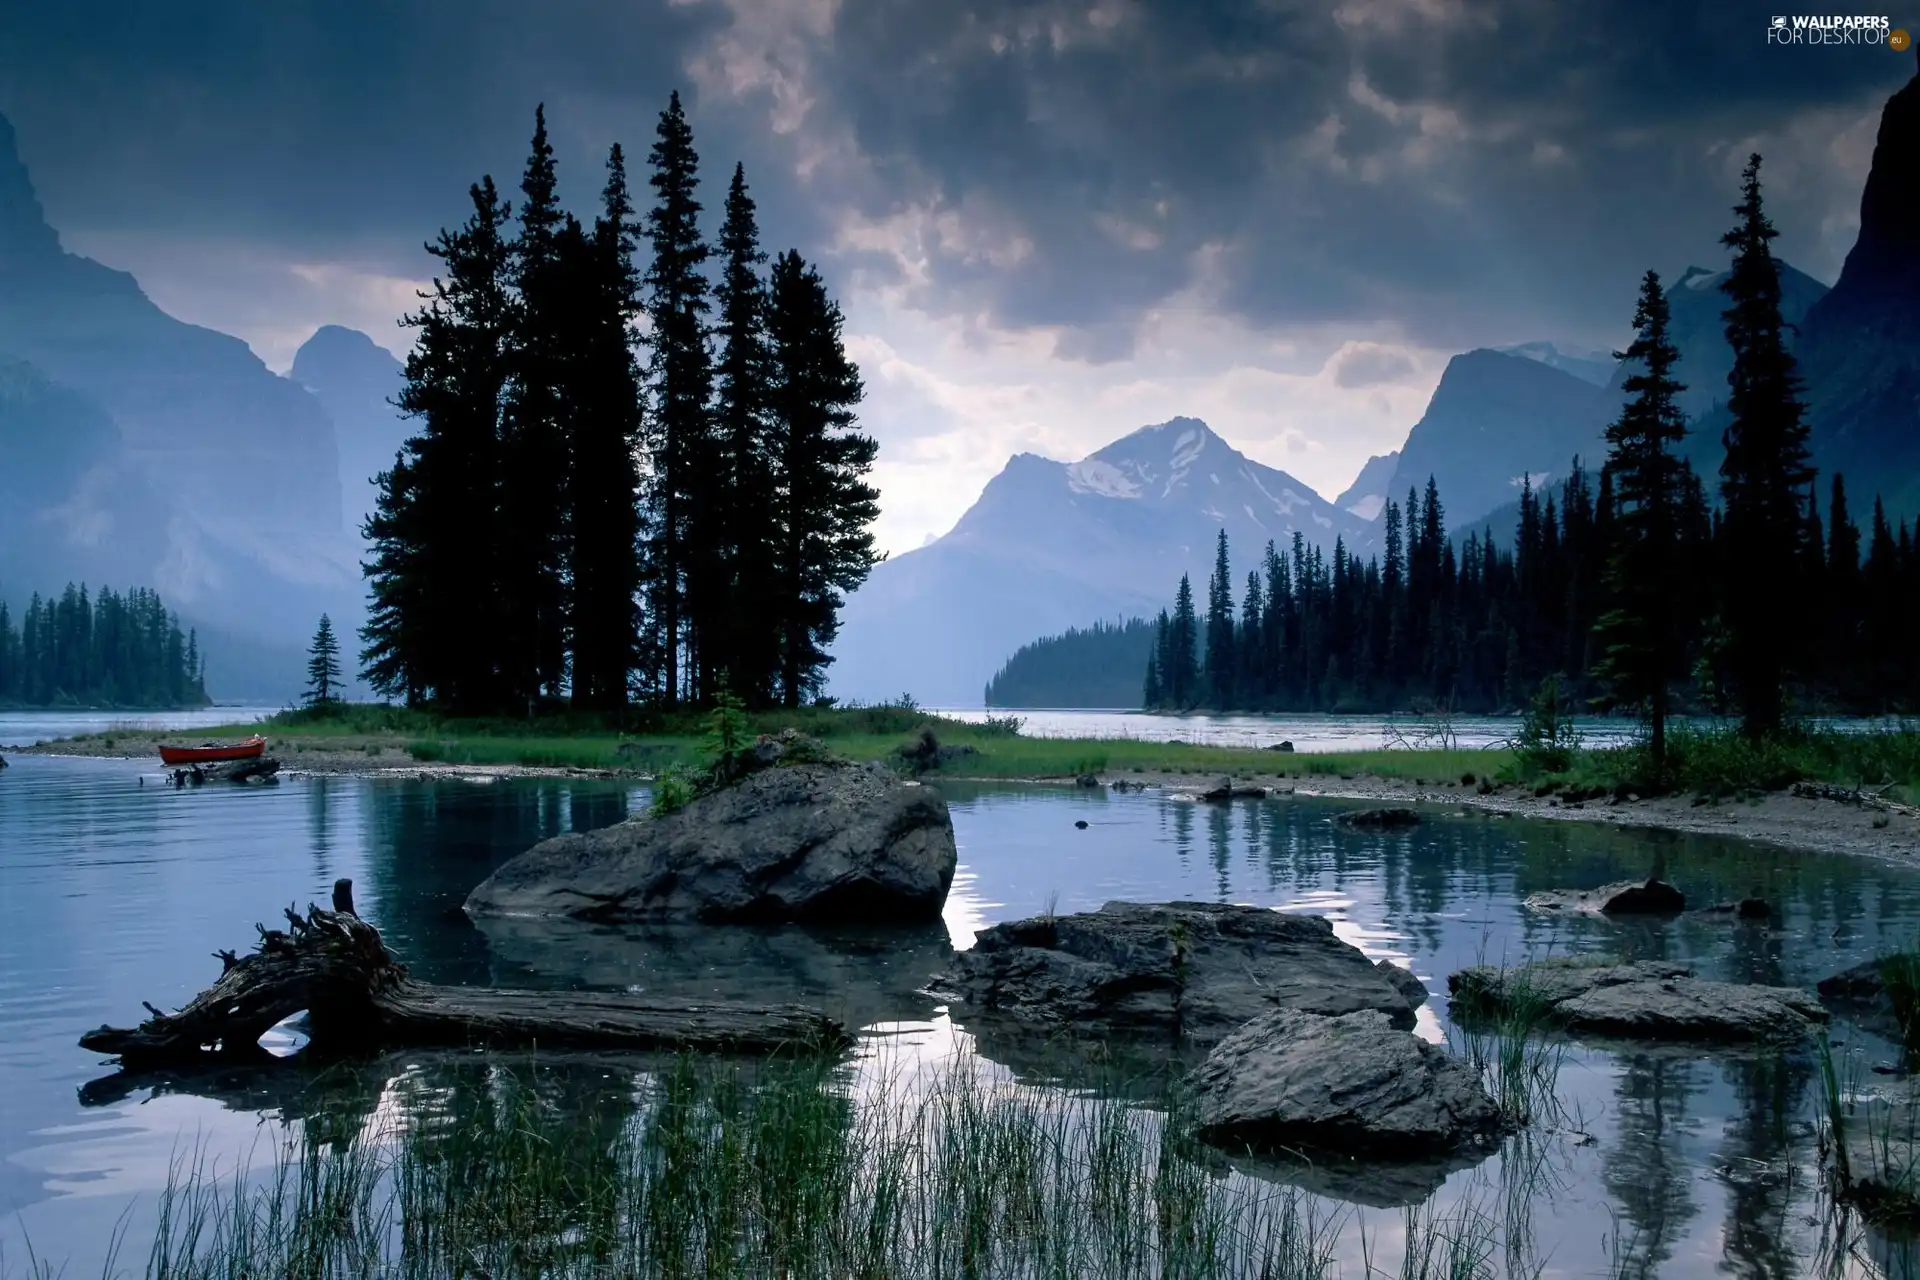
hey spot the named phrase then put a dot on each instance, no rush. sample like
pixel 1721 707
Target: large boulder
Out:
pixel 1628 898
pixel 1353 1085
pixel 813 843
pixel 1186 971
pixel 1654 1000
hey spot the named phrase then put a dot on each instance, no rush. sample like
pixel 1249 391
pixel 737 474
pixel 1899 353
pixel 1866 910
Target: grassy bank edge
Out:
pixel 1713 763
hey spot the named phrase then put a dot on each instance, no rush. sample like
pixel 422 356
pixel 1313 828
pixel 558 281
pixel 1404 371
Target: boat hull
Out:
pixel 214 754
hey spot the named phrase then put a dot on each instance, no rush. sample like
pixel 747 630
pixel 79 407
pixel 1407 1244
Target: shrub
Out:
pixel 1547 738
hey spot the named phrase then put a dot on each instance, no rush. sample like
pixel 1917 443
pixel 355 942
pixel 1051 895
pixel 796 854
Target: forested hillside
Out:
pixel 1097 666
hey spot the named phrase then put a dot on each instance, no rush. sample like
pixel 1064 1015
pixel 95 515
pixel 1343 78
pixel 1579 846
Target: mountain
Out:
pixel 1588 366
pixel 1493 420
pixel 218 482
pixel 1369 490
pixel 1051 545
pixel 1859 347
pixel 355 381
pixel 72 503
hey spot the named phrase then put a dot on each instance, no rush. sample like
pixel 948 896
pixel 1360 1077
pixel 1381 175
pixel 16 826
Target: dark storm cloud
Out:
pixel 323 126
pixel 1447 165
pixel 1469 171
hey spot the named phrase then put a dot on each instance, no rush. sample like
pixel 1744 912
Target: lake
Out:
pixel 114 890
pixel 1330 732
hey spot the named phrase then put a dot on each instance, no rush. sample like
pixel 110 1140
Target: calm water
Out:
pixel 23 728
pixel 112 892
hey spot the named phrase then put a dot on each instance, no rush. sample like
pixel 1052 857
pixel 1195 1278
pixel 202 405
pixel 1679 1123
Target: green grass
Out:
pixel 654 744
pixel 1723 762
pixel 728 1171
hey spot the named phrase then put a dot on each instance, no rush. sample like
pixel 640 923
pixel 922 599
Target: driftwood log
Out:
pixel 356 994
pixel 260 768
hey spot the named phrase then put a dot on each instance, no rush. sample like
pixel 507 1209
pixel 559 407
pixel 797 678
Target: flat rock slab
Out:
pixel 1185 971
pixel 1652 1000
pixel 1353 1085
pixel 812 843
pixel 1629 897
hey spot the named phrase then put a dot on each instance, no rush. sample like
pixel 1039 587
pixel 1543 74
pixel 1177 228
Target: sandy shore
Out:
pixel 1777 818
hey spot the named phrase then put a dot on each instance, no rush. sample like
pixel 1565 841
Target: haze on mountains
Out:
pixel 137 450
pixel 1496 420
pixel 1053 544
pixel 1432 212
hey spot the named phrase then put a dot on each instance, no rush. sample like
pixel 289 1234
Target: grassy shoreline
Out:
pixel 1884 764
pixel 388 737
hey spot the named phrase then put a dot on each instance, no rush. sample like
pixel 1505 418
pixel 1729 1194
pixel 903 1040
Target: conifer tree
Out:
pixel 1219 652
pixel 823 506
pixel 432 618
pixel 533 491
pixel 1766 474
pixel 1153 694
pixel 604 412
pixel 323 665
pixel 747 644
pixel 1181 675
pixel 1644 652
pixel 680 378
pixel 1841 599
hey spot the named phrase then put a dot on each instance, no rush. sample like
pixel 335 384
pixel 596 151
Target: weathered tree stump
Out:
pixel 356 994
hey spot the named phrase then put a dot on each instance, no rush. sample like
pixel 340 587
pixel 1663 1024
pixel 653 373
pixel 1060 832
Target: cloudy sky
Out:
pixel 1049 223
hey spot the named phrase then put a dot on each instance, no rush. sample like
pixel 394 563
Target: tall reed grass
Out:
pixel 723 1171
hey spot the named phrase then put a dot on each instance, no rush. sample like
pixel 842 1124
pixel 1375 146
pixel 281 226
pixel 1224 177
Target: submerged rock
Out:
pixel 1745 909
pixel 1643 1000
pixel 861 976
pixel 817 843
pixel 1189 971
pixel 1379 819
pixel 1351 1085
pixel 1228 791
pixel 1628 897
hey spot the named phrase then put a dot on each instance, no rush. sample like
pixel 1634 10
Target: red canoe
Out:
pixel 212 752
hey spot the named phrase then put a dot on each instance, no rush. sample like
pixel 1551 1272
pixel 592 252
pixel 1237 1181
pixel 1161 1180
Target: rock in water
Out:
pixel 816 843
pixel 1629 897
pixel 1379 819
pixel 1189 971
pixel 1353 1085
pixel 1646 1000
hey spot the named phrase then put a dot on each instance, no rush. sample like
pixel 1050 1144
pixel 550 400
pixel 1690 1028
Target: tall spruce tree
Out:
pixel 1841 601
pixel 1153 693
pixel 1181 676
pixel 323 665
pixel 533 488
pixel 1644 650
pixel 1220 664
pixel 744 640
pixel 604 415
pixel 679 433
pixel 432 619
pixel 1766 475
pixel 823 506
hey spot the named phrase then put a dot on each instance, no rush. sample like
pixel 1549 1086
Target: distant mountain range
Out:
pixel 136 449
pixel 1056 544
pixel 1051 545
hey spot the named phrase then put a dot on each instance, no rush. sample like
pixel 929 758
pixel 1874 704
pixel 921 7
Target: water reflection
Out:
pixel 111 893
